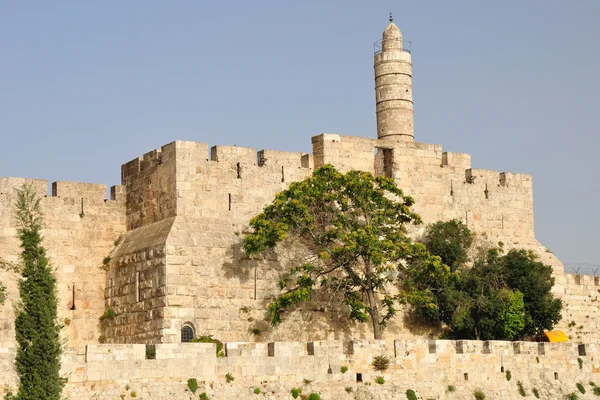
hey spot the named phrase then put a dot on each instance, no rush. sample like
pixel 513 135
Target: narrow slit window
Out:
pixel 137 287
pixel 73 297
pixel 229 201
pixel 239 171
pixel 282 175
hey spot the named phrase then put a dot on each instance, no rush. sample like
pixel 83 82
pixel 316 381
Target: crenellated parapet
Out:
pixel 444 184
pixel 428 367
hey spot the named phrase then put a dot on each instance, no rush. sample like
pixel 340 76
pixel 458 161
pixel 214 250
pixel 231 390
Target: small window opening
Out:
pixel 359 377
pixel 466 376
pixel 187 333
pixel 239 171
pixel 282 175
pixel 486 191
pixel 229 201
pixel 451 189
pixel 502 369
pixel 581 349
pixel 556 375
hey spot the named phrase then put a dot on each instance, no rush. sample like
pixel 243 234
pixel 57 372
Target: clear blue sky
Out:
pixel 86 86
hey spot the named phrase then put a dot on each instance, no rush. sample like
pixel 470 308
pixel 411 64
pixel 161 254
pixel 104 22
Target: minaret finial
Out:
pixel 391 18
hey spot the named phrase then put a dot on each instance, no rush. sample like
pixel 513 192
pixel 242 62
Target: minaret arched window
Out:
pixel 187 333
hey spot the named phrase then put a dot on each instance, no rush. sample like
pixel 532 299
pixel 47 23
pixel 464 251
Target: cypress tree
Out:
pixel 36 324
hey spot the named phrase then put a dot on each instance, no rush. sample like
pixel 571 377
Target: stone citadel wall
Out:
pixel 81 226
pixel 197 203
pixel 426 366
pixel 179 219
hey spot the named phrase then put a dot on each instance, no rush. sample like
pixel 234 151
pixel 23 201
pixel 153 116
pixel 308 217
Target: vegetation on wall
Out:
pixel 353 229
pixel 37 328
pixel 501 296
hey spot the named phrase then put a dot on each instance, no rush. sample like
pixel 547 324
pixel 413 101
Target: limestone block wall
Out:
pixel 210 283
pixel 427 367
pixel 136 286
pixel 444 184
pixel 581 313
pixel 149 183
pixel 81 226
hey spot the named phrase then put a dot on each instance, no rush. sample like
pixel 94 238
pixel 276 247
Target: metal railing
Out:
pixel 406 46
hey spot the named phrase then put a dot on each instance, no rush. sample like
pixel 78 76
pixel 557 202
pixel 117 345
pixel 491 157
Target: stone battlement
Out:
pixel 329 367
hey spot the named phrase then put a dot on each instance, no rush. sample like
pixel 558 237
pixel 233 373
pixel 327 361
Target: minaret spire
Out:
pixel 393 86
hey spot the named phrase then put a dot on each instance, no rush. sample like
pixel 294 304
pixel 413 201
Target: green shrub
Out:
pixel 381 363
pixel 229 378
pixel 349 389
pixel 580 388
pixel 109 313
pixel 344 369
pixel 256 390
pixel 521 389
pixel 314 396
pixel 133 394
pixel 106 260
pixel 204 396
pixel 296 392
pixel 192 384
pixel 572 396
pixel 508 375
pixel 536 393
pixel 479 395
pixel 411 395
pixel 307 381
pixel 592 383
pixel 580 362
pixel 596 390
pixel 210 339
pixel 380 380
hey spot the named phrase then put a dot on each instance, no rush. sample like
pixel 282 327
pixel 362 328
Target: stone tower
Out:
pixel 393 86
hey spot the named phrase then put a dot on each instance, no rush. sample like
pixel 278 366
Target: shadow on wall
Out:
pixel 324 317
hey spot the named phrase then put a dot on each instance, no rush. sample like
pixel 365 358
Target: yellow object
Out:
pixel 556 336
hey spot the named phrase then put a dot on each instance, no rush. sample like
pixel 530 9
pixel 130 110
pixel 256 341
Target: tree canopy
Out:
pixel 501 296
pixel 353 227
pixel 451 240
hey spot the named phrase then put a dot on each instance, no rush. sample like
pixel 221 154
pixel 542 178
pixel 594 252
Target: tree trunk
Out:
pixel 374 313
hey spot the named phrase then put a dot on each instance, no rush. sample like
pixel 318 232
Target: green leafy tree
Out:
pixel 499 297
pixel 534 279
pixel 451 240
pixel 37 329
pixel 353 228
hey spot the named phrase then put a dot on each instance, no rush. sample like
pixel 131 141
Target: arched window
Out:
pixel 187 333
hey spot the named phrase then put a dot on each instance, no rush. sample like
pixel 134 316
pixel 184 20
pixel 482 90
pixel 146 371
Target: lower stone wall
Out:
pixel 434 369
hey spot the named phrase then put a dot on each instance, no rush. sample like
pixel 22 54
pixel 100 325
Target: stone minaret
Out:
pixel 393 87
